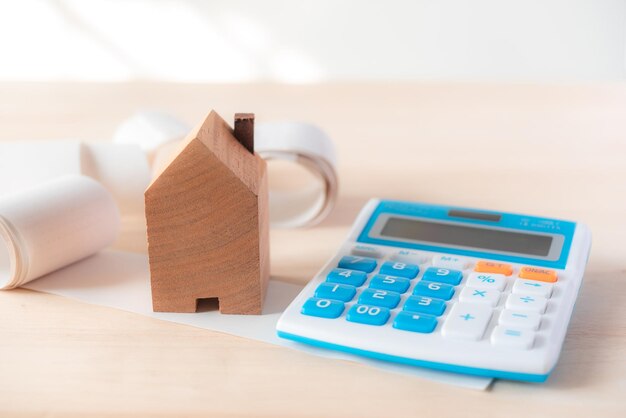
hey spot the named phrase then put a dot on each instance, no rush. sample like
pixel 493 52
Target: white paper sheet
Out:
pixel 121 280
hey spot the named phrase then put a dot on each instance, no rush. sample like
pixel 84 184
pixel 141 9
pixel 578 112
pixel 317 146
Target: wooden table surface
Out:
pixel 548 150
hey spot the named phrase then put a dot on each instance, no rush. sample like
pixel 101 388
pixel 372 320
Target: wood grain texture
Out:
pixel 207 228
pixel 554 150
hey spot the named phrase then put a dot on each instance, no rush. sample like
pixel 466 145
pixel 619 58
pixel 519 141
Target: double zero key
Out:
pixel 369 315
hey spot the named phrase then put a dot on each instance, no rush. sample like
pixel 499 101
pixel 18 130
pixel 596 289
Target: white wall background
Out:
pixel 313 40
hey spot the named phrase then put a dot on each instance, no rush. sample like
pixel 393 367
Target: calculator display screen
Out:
pixel 459 235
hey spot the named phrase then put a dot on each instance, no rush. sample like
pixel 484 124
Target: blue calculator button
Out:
pixel 357 263
pixel 324 308
pixel 434 290
pixel 423 304
pixel 441 275
pixel 393 268
pixel 370 315
pixel 410 321
pixel 394 284
pixel 335 291
pixel 382 298
pixel 345 276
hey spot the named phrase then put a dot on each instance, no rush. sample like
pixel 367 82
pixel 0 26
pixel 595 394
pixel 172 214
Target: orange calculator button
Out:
pixel 538 274
pixel 491 267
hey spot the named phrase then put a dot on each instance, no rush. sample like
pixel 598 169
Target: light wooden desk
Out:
pixel 555 151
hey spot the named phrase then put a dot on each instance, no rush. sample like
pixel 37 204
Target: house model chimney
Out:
pixel 244 130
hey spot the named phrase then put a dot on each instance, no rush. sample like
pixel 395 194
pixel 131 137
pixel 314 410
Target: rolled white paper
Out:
pixel 310 147
pixel 52 225
pixel 151 130
pixel 121 168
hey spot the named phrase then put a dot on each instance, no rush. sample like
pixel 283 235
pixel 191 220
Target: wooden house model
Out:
pixel 208 222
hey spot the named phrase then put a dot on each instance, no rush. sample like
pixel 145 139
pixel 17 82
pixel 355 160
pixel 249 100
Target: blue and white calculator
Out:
pixel 463 290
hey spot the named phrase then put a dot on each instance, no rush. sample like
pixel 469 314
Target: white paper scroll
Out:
pixel 53 224
pixel 121 168
pixel 151 130
pixel 311 149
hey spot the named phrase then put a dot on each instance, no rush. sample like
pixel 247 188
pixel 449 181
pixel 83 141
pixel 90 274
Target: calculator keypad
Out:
pixel 410 321
pixel 441 275
pixel 345 276
pixel 512 337
pixel 486 281
pixel 423 304
pixel 382 298
pixel 520 319
pixel 369 315
pixel 539 274
pixel 489 297
pixel 467 321
pixel 493 267
pixel 394 284
pixel 365 264
pixel 323 308
pixel 434 290
pixel 450 262
pixel 396 268
pixel 533 287
pixel 341 292
pixel 526 302
pixel 382 287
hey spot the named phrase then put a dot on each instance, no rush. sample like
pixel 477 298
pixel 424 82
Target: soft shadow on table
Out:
pixel 105 269
pixel 120 279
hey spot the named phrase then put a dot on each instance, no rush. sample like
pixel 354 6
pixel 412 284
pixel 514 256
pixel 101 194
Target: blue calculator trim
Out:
pixel 507 220
pixel 526 377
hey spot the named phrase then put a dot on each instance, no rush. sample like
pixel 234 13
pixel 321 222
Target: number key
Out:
pixel 434 290
pixel 423 304
pixel 379 298
pixel 441 275
pixel 358 263
pixel 323 308
pixel 342 292
pixel 405 270
pixel 345 276
pixel 394 284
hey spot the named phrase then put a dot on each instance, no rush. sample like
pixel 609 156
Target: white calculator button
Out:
pixel 467 321
pixel 526 302
pixel 366 251
pixel 520 319
pixel 532 287
pixel 486 281
pixel 485 296
pixel 522 339
pixel 408 256
pixel 451 262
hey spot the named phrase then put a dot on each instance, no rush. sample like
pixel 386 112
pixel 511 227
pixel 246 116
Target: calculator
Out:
pixel 462 290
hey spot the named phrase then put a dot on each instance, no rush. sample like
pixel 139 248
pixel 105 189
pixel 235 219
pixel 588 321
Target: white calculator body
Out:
pixel 456 289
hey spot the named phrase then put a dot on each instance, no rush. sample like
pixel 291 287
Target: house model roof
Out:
pixel 218 137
